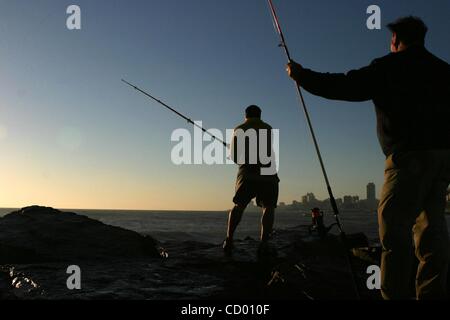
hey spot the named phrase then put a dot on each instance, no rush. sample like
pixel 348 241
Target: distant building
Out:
pixel 304 200
pixel 371 191
pixel 310 197
pixel 295 205
pixel 348 200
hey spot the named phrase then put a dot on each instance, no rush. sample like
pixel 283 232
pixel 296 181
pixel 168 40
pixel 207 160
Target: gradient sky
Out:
pixel 73 136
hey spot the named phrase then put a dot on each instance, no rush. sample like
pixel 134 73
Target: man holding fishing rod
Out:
pixel 411 91
pixel 251 148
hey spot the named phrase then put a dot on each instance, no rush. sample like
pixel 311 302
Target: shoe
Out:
pixel 227 246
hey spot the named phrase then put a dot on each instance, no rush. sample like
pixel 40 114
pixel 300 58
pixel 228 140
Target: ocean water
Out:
pixel 210 226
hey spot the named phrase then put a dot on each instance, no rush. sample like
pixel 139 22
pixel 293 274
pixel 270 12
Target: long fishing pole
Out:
pixel 313 135
pixel 176 112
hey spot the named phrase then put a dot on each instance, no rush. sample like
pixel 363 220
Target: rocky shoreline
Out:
pixel 305 268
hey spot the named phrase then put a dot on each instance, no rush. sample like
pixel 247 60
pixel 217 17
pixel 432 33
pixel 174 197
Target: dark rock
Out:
pixel 370 255
pixel 43 234
pixel 356 240
pixel 305 268
pixel 5 285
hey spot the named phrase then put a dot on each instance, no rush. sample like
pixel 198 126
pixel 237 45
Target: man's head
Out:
pixel 406 32
pixel 252 112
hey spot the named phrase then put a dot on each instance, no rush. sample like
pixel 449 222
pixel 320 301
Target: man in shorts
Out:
pixel 257 176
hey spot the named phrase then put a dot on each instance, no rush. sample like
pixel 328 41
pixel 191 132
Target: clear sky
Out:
pixel 73 136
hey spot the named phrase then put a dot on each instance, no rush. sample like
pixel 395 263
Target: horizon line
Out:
pixel 109 209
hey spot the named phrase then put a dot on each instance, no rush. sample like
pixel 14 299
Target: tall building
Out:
pixel 371 191
pixel 304 200
pixel 311 197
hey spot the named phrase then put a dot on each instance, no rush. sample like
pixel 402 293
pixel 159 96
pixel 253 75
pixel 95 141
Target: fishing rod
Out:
pixel 313 135
pixel 176 112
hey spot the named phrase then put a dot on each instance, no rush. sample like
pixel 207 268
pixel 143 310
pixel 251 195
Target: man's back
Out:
pixel 412 99
pixel 243 156
pixel 411 92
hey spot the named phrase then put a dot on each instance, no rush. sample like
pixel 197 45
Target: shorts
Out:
pixel 264 188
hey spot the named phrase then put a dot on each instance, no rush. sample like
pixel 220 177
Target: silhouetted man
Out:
pixel 256 177
pixel 411 91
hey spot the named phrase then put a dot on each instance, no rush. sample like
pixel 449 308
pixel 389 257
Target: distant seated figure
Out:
pixel 317 223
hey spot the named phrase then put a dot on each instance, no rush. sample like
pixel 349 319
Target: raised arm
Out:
pixel 356 85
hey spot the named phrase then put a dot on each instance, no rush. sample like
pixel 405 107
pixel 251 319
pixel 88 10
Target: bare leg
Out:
pixel 233 220
pixel 267 223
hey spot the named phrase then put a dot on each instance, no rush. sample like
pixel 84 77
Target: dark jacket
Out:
pixel 411 93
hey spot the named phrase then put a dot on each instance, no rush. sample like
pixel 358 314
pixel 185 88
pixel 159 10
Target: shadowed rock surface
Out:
pixel 42 234
pixel 305 268
pixel 37 244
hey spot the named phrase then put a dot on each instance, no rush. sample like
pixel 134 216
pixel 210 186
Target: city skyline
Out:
pixel 309 200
